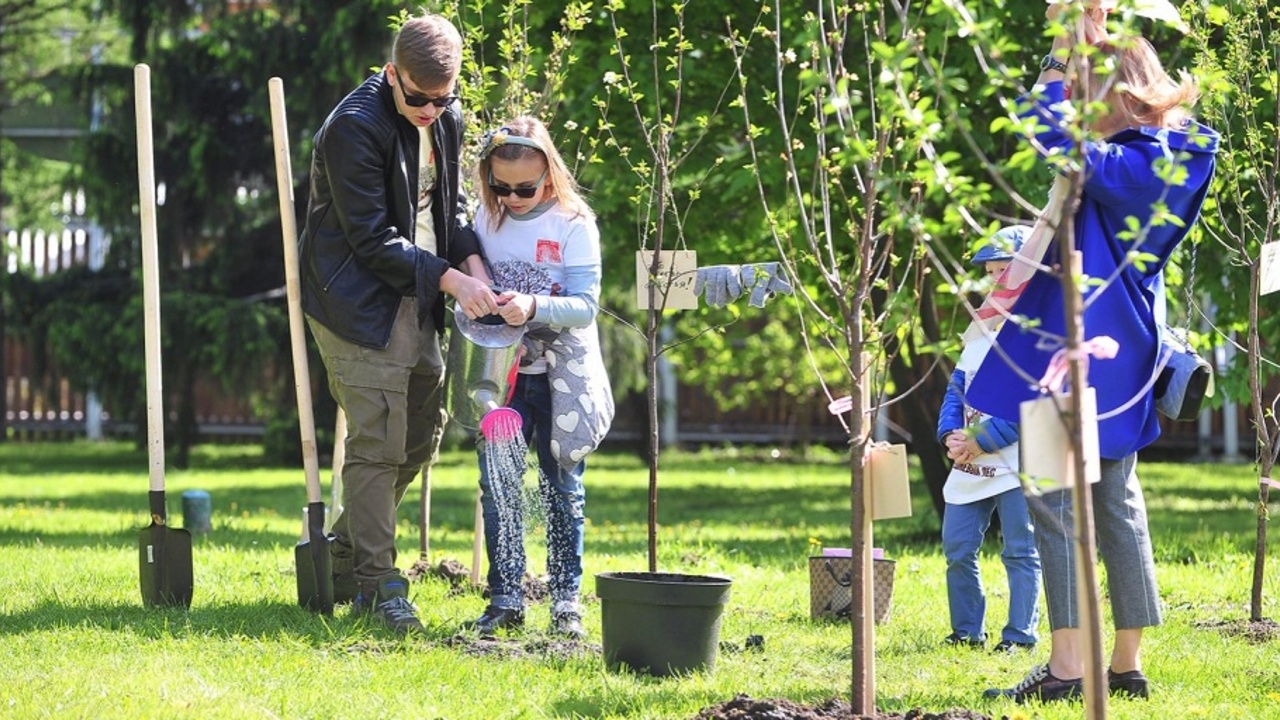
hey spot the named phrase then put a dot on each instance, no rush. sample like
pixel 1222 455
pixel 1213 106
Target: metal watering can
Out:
pixel 484 357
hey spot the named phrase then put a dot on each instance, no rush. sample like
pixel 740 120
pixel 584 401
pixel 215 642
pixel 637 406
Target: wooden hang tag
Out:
pixel 888 479
pixel 1045 444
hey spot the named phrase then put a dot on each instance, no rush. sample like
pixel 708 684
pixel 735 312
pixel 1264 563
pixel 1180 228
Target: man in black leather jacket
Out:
pixel 386 230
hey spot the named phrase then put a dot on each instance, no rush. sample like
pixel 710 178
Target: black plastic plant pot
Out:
pixel 661 623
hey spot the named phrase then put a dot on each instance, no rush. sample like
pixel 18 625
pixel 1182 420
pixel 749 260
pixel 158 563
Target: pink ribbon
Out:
pixel 1102 347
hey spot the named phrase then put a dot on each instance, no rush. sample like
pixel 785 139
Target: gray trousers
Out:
pixel 393 399
pixel 1120 525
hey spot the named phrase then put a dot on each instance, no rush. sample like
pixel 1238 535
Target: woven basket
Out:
pixel 829 595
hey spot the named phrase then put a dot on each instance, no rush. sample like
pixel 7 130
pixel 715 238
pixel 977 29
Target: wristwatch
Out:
pixel 1051 63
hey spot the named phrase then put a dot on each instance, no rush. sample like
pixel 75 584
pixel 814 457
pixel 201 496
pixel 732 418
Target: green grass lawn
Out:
pixel 79 644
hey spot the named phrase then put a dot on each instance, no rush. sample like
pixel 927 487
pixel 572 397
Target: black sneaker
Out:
pixel 495 618
pixel 568 624
pixel 960 640
pixel 1008 646
pixel 389 604
pixel 1040 684
pixel 1132 683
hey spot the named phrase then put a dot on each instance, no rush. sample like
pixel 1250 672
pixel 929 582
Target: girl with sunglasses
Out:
pixel 543 249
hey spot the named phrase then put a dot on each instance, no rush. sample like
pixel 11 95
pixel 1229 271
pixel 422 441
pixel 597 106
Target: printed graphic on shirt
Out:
pixel 548 251
pixel 524 277
pixel 426 177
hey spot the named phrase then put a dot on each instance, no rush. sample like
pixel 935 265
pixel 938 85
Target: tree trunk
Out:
pixel 186 429
pixel 4 370
pixel 1264 447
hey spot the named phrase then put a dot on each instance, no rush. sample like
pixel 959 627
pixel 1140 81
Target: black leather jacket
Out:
pixel 356 253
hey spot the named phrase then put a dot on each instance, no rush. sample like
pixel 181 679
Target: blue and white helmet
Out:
pixel 1007 241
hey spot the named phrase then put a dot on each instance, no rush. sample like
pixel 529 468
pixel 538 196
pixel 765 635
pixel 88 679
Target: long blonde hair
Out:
pixel 494 144
pixel 1143 92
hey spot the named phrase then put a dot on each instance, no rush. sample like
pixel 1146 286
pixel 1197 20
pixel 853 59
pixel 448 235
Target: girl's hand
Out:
pixel 516 308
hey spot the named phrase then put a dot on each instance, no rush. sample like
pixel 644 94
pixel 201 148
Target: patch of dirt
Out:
pixel 1256 631
pixel 744 707
pixel 753 643
pixel 459 578
pixel 455 573
pixel 536 589
pixel 509 648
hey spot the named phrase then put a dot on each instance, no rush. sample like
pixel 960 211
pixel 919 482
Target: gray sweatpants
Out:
pixel 1120 525
pixel 393 399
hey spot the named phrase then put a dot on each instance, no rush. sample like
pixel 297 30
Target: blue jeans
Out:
pixel 563 497
pixel 963 527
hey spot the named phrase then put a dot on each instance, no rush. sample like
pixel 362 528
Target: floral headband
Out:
pixel 495 139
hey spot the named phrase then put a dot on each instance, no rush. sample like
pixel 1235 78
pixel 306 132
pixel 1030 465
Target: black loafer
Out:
pixel 495 618
pixel 1132 683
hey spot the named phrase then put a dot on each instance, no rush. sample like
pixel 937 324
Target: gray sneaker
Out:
pixel 568 624
pixel 387 601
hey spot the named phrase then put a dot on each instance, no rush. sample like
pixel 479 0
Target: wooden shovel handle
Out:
pixel 150 275
pixel 293 287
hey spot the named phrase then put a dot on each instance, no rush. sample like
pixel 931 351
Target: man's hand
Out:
pixel 517 308
pixel 473 294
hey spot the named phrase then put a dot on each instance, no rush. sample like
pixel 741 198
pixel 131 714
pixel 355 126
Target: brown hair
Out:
pixel 428 49
pixel 558 178
pixel 1142 92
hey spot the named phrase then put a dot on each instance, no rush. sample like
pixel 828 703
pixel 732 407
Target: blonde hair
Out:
pixel 428 49
pixel 1143 93
pixel 494 144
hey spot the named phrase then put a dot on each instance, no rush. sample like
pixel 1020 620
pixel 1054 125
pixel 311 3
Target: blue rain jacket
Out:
pixel 1121 182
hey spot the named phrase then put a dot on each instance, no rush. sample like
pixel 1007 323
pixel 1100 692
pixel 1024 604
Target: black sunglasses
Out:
pixel 521 192
pixel 417 101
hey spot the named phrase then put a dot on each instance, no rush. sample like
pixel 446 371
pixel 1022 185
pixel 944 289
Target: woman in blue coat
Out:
pixel 1152 157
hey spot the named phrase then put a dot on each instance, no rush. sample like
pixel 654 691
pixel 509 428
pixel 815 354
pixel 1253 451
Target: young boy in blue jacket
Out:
pixel 984 480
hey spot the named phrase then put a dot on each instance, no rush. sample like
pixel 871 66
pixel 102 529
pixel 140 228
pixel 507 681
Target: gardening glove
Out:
pixel 765 279
pixel 720 283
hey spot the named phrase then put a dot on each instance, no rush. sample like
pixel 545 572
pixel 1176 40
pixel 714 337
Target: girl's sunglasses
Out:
pixel 525 192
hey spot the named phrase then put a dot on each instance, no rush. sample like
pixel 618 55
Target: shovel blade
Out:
pixel 315 565
pixel 165 566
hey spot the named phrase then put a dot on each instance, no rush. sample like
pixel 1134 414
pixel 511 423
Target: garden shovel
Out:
pixel 164 554
pixel 311 556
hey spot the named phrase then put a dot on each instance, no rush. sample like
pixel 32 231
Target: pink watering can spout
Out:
pixel 501 424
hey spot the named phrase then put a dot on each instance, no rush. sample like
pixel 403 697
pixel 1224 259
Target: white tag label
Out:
pixel 677 269
pixel 151 555
pixel 1047 456
pixel 1269 273
pixel 889 481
